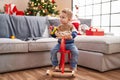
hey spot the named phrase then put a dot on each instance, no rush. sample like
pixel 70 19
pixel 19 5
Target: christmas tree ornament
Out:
pixel 77 11
pixel 42 0
pixel 53 1
pixel 44 7
pixel 12 37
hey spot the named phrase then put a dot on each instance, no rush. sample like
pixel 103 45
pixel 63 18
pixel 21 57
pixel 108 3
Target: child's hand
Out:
pixel 68 37
pixel 58 34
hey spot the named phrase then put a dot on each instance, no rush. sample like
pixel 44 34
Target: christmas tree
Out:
pixel 41 8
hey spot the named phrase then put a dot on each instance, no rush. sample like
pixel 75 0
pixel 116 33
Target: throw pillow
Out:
pixel 85 21
pixel 54 22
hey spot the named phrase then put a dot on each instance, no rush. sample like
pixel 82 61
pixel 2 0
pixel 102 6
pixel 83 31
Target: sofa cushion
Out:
pixel 12 46
pixel 42 44
pixel 104 44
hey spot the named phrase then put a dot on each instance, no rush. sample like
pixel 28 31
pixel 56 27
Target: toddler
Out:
pixel 66 30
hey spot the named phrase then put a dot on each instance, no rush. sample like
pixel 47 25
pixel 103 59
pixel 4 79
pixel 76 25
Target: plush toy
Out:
pixel 59 34
pixel 65 34
pixel 52 30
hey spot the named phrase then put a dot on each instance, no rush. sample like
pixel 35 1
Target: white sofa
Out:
pixel 101 53
pixel 16 54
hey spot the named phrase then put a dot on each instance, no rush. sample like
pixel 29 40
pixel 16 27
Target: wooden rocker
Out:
pixel 62 70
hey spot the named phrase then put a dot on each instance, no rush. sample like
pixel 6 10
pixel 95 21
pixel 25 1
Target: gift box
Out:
pixel 12 9
pixel 19 13
pixel 95 32
pixel 6 7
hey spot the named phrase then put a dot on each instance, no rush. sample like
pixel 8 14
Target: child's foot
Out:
pixel 55 68
pixel 74 69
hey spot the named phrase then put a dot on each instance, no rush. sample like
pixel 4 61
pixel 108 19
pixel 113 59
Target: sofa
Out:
pixel 32 44
pixel 101 53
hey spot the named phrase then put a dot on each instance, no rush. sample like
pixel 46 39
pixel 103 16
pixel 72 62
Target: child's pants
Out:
pixel 74 54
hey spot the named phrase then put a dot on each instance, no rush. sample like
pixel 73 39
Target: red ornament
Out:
pixel 76 7
pixel 53 1
pixel 40 7
pixel 30 12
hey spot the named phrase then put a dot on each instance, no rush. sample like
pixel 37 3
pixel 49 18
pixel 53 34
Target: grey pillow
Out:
pixel 54 22
pixel 85 21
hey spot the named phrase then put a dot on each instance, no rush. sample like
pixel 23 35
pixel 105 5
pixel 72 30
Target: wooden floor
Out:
pixel 81 74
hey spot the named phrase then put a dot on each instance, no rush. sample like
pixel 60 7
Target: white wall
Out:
pixel 63 4
pixel 23 4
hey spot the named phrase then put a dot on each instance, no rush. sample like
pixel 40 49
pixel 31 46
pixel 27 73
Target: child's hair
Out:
pixel 68 12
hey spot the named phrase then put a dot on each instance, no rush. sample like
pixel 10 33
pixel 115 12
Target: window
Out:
pixel 115 7
pixel 105 8
pixel 115 19
pixel 96 21
pixel 105 20
pixel 96 9
pixel 104 13
pixel 89 10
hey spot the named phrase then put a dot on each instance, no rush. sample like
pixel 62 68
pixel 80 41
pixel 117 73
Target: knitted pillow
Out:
pixel 85 21
pixel 54 22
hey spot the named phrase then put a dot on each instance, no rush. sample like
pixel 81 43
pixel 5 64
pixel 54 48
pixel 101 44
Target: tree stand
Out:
pixel 62 70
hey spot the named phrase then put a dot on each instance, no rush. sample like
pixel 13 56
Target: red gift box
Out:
pixel 95 32
pixel 12 9
pixel 19 13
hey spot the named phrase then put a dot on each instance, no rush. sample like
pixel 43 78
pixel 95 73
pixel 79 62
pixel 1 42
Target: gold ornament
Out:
pixel 42 0
pixel 43 11
pixel 35 4
pixel 12 37
pixel 32 4
pixel 27 13
pixel 38 4
pixel 54 7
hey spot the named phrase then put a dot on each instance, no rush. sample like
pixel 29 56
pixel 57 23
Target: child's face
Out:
pixel 64 18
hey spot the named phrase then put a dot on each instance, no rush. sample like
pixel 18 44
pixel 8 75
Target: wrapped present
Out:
pixel 95 32
pixel 19 13
pixel 12 9
pixel 6 7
